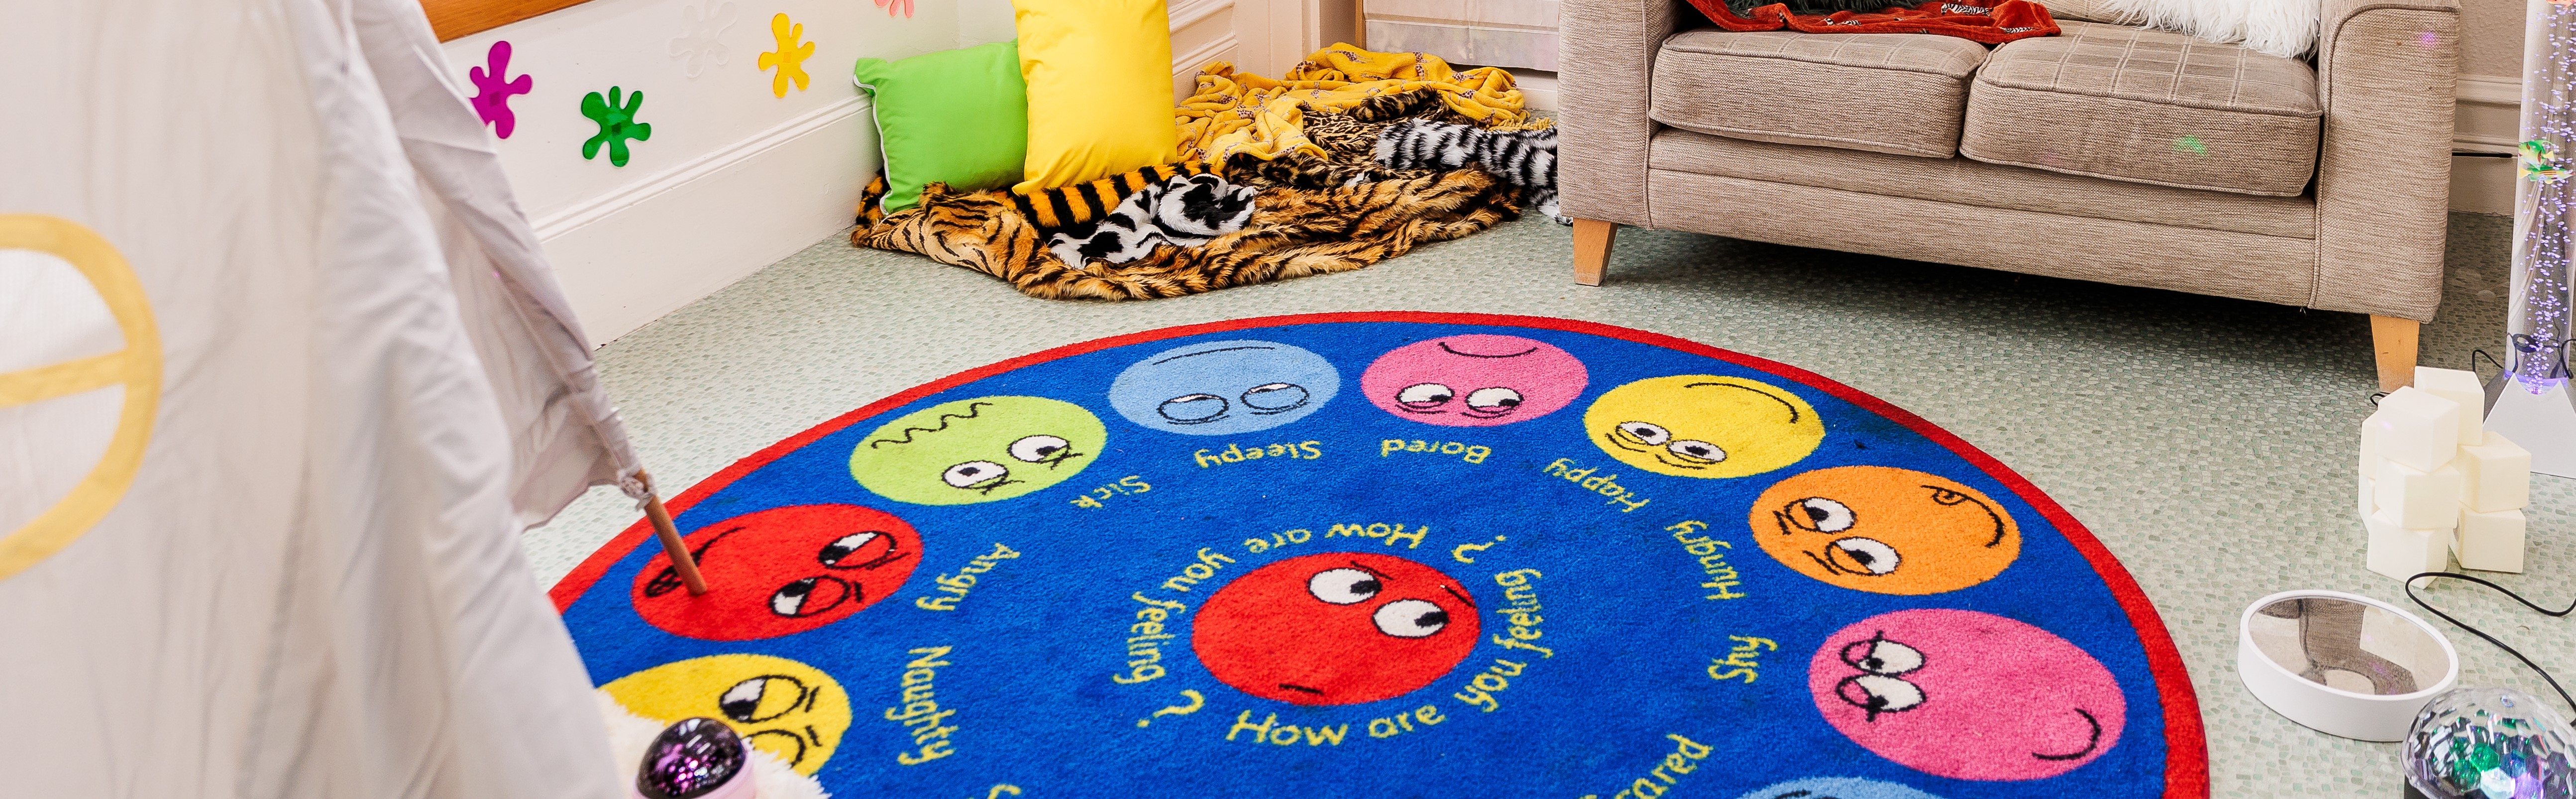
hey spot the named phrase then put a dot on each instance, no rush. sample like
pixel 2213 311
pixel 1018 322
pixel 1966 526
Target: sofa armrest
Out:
pixel 1606 54
pixel 2387 74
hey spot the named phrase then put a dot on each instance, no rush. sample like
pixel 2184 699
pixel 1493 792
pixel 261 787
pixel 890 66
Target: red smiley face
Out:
pixel 1337 628
pixel 780 571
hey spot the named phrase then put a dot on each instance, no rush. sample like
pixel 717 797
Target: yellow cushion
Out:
pixel 1100 88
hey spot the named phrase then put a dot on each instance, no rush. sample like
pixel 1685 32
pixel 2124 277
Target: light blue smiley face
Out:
pixel 1837 788
pixel 1224 387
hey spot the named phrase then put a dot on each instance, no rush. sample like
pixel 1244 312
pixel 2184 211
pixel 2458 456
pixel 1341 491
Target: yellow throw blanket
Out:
pixel 1245 113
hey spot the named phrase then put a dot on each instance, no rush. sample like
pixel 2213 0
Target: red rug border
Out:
pixel 2186 744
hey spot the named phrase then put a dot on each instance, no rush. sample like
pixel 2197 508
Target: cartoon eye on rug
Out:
pixel 1336 628
pixel 1475 380
pixel 1836 788
pixel 1703 426
pixel 781 571
pixel 977 450
pixel 779 706
pixel 1224 387
pixel 1967 695
pixel 1885 530
pixel 1880 687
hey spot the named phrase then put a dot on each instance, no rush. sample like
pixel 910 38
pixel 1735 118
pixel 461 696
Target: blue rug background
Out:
pixel 1039 636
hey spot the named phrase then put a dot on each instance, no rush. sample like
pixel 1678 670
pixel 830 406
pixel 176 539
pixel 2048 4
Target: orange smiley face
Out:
pixel 1885 530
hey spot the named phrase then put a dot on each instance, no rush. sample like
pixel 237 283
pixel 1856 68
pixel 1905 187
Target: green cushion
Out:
pixel 959 117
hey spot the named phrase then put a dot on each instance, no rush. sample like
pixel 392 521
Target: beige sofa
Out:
pixel 2107 153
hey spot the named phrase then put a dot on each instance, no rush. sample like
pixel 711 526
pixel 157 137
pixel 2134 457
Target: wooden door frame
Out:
pixel 454 19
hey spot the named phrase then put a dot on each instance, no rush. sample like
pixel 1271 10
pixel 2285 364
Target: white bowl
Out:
pixel 2389 650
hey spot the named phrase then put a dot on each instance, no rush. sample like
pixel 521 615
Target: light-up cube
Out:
pixel 2369 496
pixel 2417 429
pixel 2401 552
pixel 2489 541
pixel 2418 499
pixel 2371 452
pixel 2370 457
pixel 2496 475
pixel 2460 387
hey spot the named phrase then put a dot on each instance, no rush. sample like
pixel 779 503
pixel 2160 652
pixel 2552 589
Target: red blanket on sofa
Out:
pixel 2002 22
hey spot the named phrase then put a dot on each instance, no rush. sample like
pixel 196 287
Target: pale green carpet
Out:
pixel 2210 443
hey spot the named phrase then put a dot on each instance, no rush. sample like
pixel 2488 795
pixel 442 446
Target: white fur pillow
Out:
pixel 2285 28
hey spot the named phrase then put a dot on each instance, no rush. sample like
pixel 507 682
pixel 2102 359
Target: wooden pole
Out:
pixel 681 560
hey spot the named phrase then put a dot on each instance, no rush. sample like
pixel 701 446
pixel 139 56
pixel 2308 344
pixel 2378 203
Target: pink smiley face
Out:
pixel 1475 380
pixel 1966 695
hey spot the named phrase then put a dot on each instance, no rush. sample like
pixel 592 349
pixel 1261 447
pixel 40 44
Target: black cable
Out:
pixel 2474 355
pixel 2544 673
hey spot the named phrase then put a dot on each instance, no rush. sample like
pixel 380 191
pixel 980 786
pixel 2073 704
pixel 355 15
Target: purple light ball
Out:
pixel 691 759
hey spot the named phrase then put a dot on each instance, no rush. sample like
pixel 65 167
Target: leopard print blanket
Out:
pixel 1313 216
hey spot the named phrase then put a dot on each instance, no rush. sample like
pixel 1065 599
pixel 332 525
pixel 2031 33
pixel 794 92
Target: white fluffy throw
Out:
pixel 2285 28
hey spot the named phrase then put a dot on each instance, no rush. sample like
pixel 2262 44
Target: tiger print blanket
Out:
pixel 1314 215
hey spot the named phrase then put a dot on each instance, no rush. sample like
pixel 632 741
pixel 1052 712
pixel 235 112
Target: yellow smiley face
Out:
pixel 1703 426
pixel 779 706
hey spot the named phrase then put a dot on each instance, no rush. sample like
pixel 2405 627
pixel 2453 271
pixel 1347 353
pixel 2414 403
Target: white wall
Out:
pixel 734 177
pixel 1263 37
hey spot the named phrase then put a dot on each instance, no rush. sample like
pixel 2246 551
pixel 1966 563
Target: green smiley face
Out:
pixel 977 450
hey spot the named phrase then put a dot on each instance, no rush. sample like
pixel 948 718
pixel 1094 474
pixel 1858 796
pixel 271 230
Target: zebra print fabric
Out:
pixel 1522 158
pixel 1185 211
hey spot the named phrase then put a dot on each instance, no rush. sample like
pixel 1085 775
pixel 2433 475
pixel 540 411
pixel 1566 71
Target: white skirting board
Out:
pixel 644 250
pixel 1538 89
pixel 2488 119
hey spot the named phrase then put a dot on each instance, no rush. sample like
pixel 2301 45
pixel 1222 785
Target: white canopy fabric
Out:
pixel 283 374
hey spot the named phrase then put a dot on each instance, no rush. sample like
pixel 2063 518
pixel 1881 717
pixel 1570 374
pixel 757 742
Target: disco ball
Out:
pixel 2490 743
pixel 696 758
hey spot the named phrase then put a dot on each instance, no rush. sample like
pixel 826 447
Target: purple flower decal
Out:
pixel 492 98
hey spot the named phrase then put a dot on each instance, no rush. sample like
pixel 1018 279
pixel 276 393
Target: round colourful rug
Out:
pixel 1397 554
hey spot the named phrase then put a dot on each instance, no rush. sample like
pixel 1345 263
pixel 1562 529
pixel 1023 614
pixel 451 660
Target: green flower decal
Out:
pixel 616 123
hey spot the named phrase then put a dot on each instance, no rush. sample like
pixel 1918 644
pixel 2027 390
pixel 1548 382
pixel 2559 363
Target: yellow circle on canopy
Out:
pixel 1703 426
pixel 136 368
pixel 779 706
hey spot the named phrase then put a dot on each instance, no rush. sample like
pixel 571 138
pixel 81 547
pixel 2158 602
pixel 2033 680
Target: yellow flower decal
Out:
pixel 790 57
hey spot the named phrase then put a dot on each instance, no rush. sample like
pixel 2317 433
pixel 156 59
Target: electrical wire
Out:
pixel 2517 655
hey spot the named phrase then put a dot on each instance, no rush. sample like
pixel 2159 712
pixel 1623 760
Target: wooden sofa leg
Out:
pixel 2394 340
pixel 1592 250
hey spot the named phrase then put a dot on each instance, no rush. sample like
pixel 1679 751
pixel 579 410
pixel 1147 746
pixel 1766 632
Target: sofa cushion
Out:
pixel 1965 182
pixel 1897 93
pixel 2148 107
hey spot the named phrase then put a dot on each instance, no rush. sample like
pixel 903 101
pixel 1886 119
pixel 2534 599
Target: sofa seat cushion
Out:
pixel 1899 93
pixel 1961 181
pixel 2147 106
